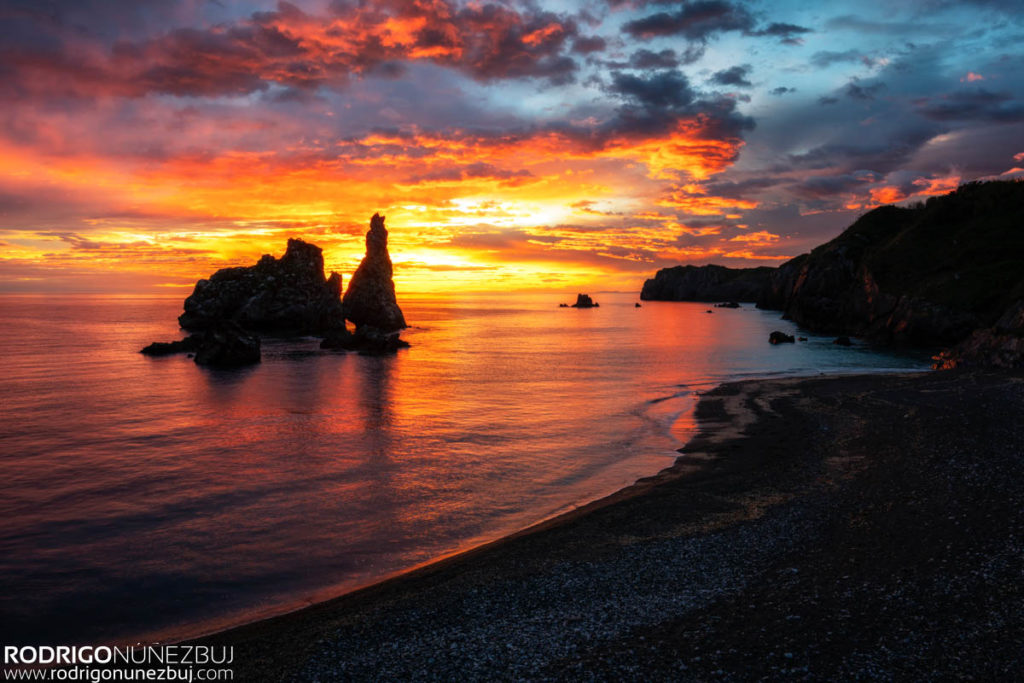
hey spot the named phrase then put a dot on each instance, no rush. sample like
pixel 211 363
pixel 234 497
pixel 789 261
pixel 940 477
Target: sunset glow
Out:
pixel 511 145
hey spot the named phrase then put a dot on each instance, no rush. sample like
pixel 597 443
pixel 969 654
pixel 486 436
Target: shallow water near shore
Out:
pixel 148 498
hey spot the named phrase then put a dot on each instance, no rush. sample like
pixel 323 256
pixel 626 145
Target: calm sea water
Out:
pixel 149 498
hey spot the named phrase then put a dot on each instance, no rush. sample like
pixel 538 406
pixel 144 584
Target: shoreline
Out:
pixel 748 466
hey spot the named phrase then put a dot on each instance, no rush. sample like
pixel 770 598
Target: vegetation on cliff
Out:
pixel 926 274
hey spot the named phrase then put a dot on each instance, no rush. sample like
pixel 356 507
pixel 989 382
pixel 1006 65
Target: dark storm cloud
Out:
pixel 696 21
pixel 781 90
pixel 741 189
pixel 882 157
pixel 654 103
pixel 826 58
pixel 850 22
pixel 664 90
pixel 646 59
pixel 701 20
pixel 972 105
pixel 734 76
pixel 855 90
pixel 585 45
pixel 787 33
pixel 826 187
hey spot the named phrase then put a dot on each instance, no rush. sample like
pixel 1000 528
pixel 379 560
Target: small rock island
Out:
pixel 584 301
pixel 291 296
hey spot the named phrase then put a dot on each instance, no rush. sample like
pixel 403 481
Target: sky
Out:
pixel 512 145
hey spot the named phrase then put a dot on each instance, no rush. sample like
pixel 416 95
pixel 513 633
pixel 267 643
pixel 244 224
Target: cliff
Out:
pixel 706 283
pixel 925 275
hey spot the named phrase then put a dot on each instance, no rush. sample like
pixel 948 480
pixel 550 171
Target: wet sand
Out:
pixel 837 527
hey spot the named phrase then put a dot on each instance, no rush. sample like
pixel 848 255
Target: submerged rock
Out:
pixel 636 305
pixel 842 341
pixel 584 301
pixel 370 298
pixel 289 295
pixel 728 304
pixel 777 337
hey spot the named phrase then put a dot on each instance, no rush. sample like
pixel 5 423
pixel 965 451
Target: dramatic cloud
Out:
pixel 509 142
pixel 735 76
pixel 696 21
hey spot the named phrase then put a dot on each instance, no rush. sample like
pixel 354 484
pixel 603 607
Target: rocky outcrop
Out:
pixel 999 346
pixel 584 301
pixel 728 304
pixel 223 345
pixel 778 337
pixel 226 345
pixel 370 298
pixel 706 283
pixel 189 344
pixel 289 295
pixel 367 340
pixel 924 275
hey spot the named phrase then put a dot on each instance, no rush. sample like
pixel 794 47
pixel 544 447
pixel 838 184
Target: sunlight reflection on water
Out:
pixel 150 497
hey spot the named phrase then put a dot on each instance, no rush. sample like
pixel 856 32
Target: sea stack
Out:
pixel 370 298
pixel 289 295
pixel 584 301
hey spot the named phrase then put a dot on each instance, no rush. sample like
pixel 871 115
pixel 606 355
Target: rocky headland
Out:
pixel 706 283
pixel 929 274
pixel 946 273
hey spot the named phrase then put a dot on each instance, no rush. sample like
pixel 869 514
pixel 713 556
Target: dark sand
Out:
pixel 866 527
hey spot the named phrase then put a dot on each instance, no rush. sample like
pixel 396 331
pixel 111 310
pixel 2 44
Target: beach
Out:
pixel 863 526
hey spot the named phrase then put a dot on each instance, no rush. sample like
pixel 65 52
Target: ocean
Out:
pixel 150 499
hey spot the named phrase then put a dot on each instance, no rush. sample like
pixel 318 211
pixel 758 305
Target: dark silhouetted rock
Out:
pixel 842 341
pixel 584 301
pixel 777 337
pixel 728 304
pixel 289 295
pixel 709 311
pixel 636 305
pixel 228 346
pixel 706 283
pixel 186 345
pixel 341 339
pixel 801 338
pixel 370 298
pixel 999 346
pixel 925 275
pixel 367 340
pixel 563 305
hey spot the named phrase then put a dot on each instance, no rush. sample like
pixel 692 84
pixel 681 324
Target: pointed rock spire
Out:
pixel 370 299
